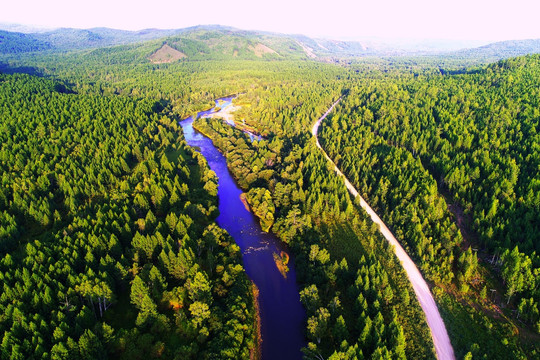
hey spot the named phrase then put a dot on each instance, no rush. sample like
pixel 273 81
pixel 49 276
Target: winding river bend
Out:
pixel 282 314
pixel 443 347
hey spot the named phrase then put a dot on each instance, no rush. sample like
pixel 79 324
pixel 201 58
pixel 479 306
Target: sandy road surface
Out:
pixel 443 347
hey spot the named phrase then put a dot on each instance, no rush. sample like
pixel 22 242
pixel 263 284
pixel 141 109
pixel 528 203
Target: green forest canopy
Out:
pixel 106 216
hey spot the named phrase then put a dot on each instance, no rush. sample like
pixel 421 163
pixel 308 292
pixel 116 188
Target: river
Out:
pixel 282 314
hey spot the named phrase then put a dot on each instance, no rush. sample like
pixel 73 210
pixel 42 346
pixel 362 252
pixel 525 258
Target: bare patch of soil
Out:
pixel 261 49
pixel 166 54
pixel 243 198
pixel 307 50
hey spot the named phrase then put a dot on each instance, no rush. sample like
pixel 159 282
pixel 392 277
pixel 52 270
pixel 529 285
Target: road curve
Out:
pixel 443 347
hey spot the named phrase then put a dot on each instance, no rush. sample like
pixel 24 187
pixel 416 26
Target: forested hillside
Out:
pixel 472 136
pixel 199 43
pixel 500 50
pixel 14 43
pixel 106 233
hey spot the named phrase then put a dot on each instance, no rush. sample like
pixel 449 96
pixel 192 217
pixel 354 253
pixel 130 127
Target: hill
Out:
pixel 501 50
pixel 203 43
pixel 14 43
pixel 223 39
pixel 69 39
pixel 216 41
pixel 199 42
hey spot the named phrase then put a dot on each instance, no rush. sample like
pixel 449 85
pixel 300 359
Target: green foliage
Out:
pixel 15 43
pixel 200 312
pixel 317 325
pixel 332 243
pixel 99 231
pixel 102 203
pixel 528 310
pixel 473 331
pixel 518 273
pixel 260 200
pixel 404 194
pixel 403 136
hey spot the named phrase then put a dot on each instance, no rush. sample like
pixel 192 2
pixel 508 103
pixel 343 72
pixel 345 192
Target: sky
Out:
pixel 492 20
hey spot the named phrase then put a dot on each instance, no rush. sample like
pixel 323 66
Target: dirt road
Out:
pixel 443 347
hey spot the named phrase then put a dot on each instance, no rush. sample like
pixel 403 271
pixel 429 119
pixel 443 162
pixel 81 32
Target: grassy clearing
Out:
pixel 484 337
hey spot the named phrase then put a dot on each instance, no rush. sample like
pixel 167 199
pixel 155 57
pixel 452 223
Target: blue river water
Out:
pixel 282 314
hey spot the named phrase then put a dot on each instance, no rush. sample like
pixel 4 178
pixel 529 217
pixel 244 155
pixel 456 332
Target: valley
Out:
pixel 136 223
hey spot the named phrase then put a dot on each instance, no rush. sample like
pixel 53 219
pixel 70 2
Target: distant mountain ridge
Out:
pixel 217 41
pixel 73 39
pixel 502 49
pixel 14 43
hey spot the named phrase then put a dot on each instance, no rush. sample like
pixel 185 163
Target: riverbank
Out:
pixel 243 198
pixel 255 353
pixel 278 297
pixel 226 113
pixel 211 137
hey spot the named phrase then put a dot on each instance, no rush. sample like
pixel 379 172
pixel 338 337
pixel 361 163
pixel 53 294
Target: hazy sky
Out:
pixel 440 19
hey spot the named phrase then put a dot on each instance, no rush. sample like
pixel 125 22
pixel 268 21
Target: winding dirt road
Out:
pixel 443 347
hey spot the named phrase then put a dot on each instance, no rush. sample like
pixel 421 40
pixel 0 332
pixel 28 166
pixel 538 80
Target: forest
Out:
pixel 108 240
pixel 109 246
pixel 356 306
pixel 463 146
